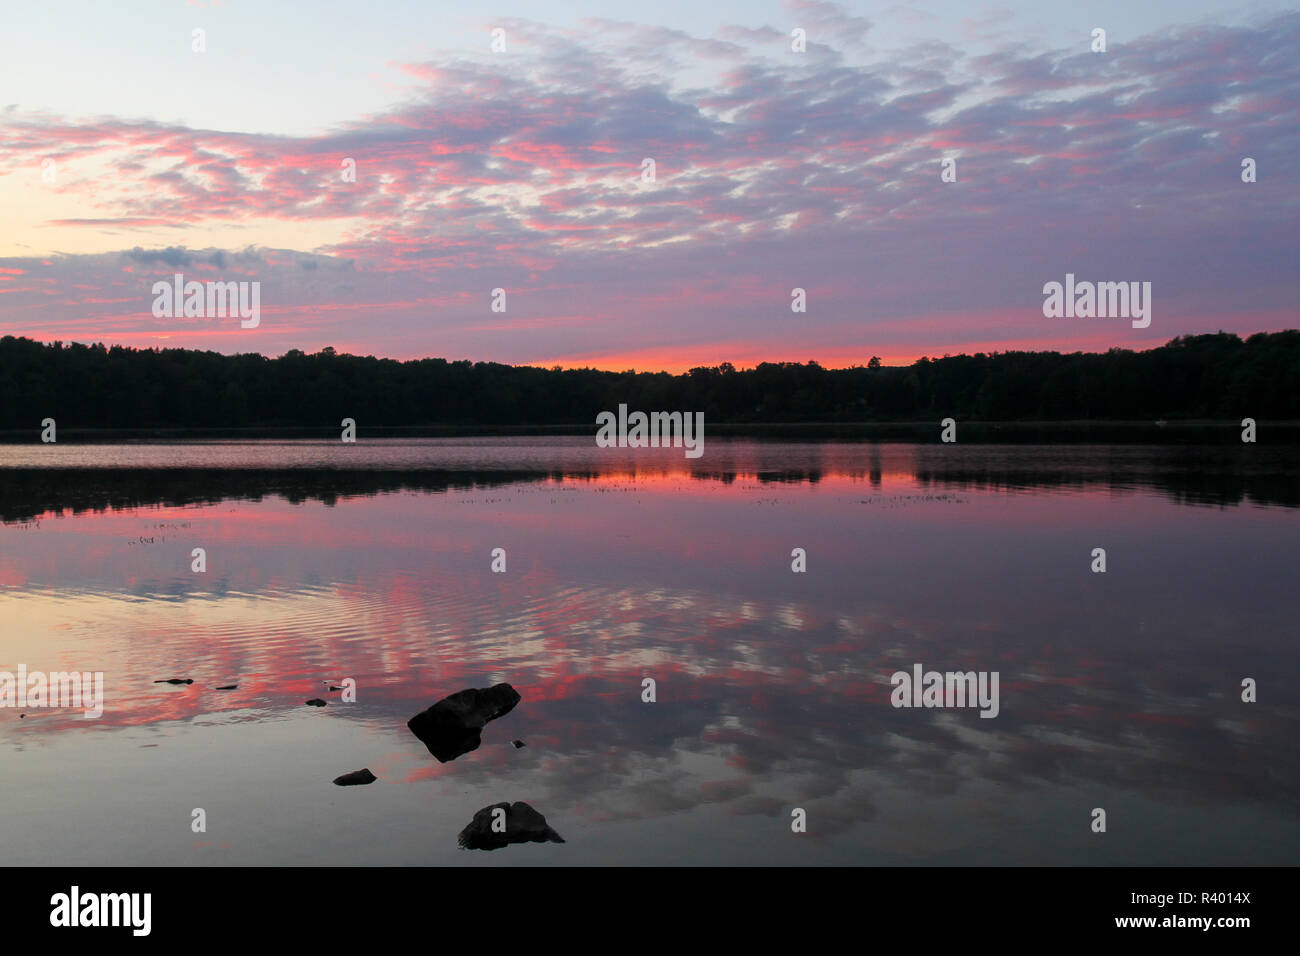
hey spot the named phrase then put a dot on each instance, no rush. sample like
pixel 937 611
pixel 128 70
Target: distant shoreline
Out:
pixel 161 394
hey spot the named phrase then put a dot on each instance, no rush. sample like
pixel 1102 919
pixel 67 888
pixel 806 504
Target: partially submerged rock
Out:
pixel 518 744
pixel 229 687
pixel 315 702
pixel 505 823
pixel 176 680
pixel 356 778
pixel 452 727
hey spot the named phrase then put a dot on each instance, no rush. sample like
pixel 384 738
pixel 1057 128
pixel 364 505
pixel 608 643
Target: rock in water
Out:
pixel 176 680
pixel 518 744
pixel 315 702
pixel 523 824
pixel 229 687
pixel 452 727
pixel 356 778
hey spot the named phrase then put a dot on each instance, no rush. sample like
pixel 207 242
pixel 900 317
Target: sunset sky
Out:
pixel 126 157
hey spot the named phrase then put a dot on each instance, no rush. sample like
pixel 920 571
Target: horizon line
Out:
pixel 675 369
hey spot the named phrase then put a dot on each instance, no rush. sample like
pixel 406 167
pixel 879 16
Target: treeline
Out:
pixel 80 386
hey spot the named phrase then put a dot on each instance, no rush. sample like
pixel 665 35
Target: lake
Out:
pixel 773 689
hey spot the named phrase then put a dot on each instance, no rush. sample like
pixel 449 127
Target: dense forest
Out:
pixel 1191 377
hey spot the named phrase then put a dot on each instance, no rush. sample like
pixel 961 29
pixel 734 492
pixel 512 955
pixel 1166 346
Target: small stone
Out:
pixel 356 778
pixel 453 726
pixel 523 825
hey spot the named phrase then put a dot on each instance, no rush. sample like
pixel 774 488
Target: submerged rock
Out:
pixel 176 680
pixel 505 823
pixel 356 778
pixel 452 727
pixel 315 702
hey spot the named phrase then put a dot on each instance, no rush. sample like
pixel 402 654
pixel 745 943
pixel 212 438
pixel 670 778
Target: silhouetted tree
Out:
pixel 91 386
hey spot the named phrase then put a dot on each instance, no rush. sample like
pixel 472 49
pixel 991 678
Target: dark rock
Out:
pixel 452 727
pixel 229 687
pixel 175 680
pixel 332 687
pixel 523 824
pixel 315 702
pixel 356 778
pixel 518 744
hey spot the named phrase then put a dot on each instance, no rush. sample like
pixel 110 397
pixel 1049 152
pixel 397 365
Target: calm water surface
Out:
pixel 372 561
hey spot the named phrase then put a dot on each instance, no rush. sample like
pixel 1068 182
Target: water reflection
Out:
pixel 72 480
pixel 1119 690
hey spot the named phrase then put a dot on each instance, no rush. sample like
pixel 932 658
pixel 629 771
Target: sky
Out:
pixel 127 156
